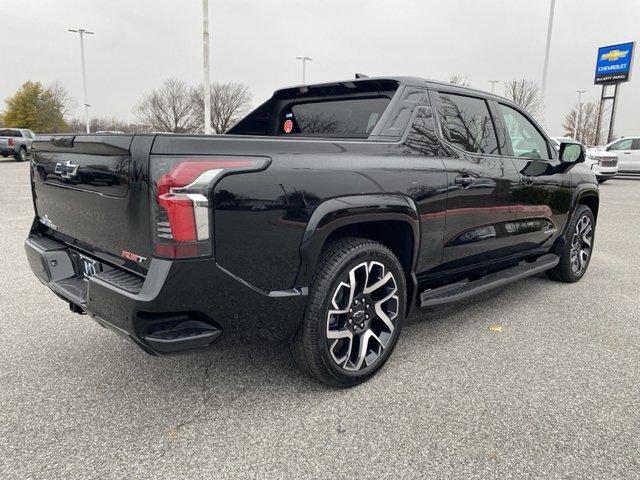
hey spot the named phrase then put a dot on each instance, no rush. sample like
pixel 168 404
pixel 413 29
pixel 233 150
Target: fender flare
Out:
pixel 581 191
pixel 350 210
pixel 584 190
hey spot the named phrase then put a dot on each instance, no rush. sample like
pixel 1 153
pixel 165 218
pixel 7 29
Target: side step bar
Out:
pixel 462 290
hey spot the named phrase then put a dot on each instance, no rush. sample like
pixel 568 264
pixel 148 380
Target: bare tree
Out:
pixel 170 108
pixel 586 118
pixel 461 80
pixel 229 103
pixel 61 97
pixel 317 123
pixel 525 93
pixel 97 124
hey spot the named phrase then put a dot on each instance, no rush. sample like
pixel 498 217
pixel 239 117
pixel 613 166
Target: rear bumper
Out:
pixel 178 306
pixel 5 152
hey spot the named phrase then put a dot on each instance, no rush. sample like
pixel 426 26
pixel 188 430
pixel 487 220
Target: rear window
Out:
pixel 352 118
pixel 9 132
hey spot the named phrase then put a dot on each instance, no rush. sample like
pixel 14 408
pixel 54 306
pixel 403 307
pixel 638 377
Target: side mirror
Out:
pixel 572 152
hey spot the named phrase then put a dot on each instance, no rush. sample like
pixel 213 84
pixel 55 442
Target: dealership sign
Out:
pixel 614 63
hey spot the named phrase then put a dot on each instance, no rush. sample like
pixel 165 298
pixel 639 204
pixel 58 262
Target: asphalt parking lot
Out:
pixel 554 394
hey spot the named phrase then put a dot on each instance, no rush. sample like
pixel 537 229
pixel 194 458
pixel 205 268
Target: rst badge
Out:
pixel 132 256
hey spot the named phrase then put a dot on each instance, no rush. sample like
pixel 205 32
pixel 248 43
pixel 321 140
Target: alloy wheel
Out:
pixel 361 319
pixel 581 244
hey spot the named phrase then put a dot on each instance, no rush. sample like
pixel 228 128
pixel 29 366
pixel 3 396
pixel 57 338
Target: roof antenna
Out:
pixel 361 75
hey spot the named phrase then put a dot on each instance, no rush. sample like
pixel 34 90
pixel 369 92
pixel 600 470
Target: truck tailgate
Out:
pixel 91 191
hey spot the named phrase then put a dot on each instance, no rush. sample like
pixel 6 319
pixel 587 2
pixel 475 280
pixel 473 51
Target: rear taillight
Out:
pixel 181 191
pixel 11 142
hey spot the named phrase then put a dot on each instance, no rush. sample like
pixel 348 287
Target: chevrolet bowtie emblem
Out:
pixel 66 169
pixel 614 55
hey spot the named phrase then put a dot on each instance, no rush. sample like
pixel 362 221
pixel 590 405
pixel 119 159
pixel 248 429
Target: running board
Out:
pixel 462 290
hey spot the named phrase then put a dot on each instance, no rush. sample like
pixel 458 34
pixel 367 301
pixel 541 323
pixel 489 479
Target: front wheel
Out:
pixel 354 313
pixel 576 254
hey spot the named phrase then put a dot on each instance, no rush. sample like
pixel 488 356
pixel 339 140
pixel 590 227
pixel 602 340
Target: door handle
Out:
pixel 627 153
pixel 464 180
pixel 528 180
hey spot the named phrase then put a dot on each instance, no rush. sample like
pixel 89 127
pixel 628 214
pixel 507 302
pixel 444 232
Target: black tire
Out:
pixel 21 155
pixel 310 347
pixel 565 270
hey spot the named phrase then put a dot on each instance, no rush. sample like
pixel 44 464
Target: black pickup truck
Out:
pixel 325 217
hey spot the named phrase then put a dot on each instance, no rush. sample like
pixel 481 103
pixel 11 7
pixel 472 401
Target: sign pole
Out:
pixel 613 113
pixel 599 116
pixel 606 99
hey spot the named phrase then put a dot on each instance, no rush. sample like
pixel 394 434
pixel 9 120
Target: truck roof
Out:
pixel 400 80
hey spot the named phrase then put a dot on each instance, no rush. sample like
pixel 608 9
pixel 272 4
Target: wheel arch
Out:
pixel 585 195
pixel 592 200
pixel 392 220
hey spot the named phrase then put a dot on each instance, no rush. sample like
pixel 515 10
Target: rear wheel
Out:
pixel 21 156
pixel 578 248
pixel 354 313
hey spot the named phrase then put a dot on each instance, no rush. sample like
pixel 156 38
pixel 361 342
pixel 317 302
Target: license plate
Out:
pixel 88 266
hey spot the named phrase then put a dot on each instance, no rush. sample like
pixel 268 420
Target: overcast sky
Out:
pixel 138 43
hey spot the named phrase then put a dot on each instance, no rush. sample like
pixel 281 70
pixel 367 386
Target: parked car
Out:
pixel 628 152
pixel 604 164
pixel 16 142
pixel 325 217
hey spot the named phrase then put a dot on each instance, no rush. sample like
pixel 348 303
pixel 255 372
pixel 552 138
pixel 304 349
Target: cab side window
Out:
pixel 466 123
pixel 624 144
pixel 526 140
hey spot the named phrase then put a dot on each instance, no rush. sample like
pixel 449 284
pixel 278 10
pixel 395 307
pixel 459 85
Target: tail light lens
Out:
pixel 182 192
pixel 11 142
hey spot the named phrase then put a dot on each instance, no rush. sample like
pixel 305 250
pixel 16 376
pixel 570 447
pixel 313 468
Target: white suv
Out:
pixel 628 152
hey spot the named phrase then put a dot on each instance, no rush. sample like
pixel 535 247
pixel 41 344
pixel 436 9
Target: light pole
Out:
pixel 545 68
pixel 82 33
pixel 575 130
pixel 205 53
pixel 304 67
pixel 493 84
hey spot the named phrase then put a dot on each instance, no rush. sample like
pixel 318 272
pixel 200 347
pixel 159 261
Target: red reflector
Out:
pixel 186 172
pixel 181 218
pixel 177 251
